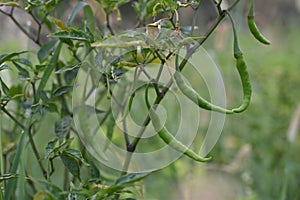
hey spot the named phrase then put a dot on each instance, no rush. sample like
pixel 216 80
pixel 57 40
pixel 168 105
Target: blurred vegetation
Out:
pixel 256 156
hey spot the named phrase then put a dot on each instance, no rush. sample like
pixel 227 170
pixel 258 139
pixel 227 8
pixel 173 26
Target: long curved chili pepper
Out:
pixel 195 97
pixel 169 139
pixel 253 27
pixel 242 70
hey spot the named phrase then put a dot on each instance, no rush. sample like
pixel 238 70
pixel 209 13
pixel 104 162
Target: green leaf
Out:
pixel 77 154
pixel 95 173
pixel 43 96
pixel 62 90
pixel 71 34
pixel 9 189
pixel 23 61
pixel 3 67
pixel 6 57
pixel 67 41
pixel 50 147
pixel 39 68
pixel 51 65
pixel 45 50
pixel 126 39
pixel 88 14
pixel 119 44
pixel 71 163
pixel 51 107
pixel 48 23
pixel 68 68
pixel 90 20
pixel 10 3
pixel 131 178
pixel 62 127
pixel 21 181
pixel 37 111
pixel 16 90
pixel 78 7
pixel 53 151
pixel 70 76
pixel 23 73
pixel 122 182
pixel 4 87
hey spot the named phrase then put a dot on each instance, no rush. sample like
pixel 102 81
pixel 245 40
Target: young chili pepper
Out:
pixel 253 27
pixel 169 139
pixel 242 70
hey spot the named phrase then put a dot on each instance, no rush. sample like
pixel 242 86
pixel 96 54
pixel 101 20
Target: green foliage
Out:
pixel 67 42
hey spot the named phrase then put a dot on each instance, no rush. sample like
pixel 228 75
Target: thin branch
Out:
pixel 12 117
pixel 34 91
pixel 142 67
pixel 233 5
pixel 10 15
pixel 37 40
pixel 35 151
pixel 108 24
pixel 125 130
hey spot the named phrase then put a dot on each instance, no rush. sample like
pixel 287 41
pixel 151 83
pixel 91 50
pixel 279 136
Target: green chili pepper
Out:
pixel 246 84
pixel 168 138
pixel 244 76
pixel 195 97
pixel 253 28
pixel 242 70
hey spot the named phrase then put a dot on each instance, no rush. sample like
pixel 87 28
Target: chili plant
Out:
pixel 82 57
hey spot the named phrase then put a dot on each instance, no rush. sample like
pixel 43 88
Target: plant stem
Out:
pixel 35 151
pixel 12 117
pixel 233 5
pixel 108 24
pixel 37 40
pixel 125 130
pixel 34 92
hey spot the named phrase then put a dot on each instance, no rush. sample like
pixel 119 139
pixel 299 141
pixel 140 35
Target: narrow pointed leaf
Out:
pixel 45 50
pixel 3 67
pixel 131 178
pixel 62 127
pixel 4 87
pixel 23 61
pixel 51 65
pixel 76 10
pixel 23 73
pixel 62 90
pixel 71 163
pixel 10 3
pixel 6 57
pixel 71 34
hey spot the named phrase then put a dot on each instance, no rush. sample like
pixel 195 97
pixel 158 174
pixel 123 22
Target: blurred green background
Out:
pixel 256 156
